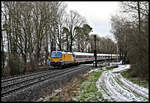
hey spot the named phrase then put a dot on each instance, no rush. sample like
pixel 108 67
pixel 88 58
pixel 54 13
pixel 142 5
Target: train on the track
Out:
pixel 60 59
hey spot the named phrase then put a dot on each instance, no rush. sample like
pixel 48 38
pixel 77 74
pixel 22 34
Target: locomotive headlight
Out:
pixel 61 60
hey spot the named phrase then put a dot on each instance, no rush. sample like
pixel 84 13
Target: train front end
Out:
pixel 56 59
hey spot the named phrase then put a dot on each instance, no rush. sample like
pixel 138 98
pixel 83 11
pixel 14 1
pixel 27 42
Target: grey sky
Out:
pixel 97 14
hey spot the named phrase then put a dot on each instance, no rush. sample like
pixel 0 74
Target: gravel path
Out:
pixel 116 88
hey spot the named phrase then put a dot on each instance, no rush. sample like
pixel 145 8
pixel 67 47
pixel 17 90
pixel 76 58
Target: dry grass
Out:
pixel 70 89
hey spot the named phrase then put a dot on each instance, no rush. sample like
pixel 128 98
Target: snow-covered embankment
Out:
pixel 116 88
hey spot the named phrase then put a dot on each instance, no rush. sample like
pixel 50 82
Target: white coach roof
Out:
pixel 80 53
pixel 89 54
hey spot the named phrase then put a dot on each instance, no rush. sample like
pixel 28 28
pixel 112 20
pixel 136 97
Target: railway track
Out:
pixel 21 76
pixel 5 82
pixel 12 85
pixel 19 82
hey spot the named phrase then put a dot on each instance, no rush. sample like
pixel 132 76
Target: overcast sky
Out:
pixel 97 14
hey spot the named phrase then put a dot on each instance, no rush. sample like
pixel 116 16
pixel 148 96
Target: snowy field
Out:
pixel 116 88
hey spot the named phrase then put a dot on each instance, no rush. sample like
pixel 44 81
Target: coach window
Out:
pixel 79 56
pixel 73 55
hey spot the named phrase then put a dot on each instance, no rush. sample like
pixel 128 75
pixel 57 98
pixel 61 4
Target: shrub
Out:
pixel 15 64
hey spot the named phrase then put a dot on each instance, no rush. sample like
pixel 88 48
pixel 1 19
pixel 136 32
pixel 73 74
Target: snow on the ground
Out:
pixel 121 68
pixel 97 69
pixel 116 63
pixel 116 88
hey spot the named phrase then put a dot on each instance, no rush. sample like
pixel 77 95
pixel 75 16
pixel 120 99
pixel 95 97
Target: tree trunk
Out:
pixel 138 3
pixel 67 43
pixel 2 50
pixel 25 62
pixel 46 49
pixel 71 43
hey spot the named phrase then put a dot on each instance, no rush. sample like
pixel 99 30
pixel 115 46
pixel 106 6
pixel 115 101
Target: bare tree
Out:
pixel 104 45
pixel 31 27
pixel 73 20
pixel 82 37
pixel 133 31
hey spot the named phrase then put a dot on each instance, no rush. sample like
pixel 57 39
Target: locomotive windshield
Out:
pixel 56 54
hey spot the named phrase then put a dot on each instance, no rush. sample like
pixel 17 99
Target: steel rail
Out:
pixel 38 80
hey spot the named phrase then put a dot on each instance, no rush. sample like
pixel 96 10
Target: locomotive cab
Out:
pixel 56 58
pixel 59 58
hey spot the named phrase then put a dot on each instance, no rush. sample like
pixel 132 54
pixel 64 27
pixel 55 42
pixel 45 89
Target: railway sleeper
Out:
pixel 35 91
